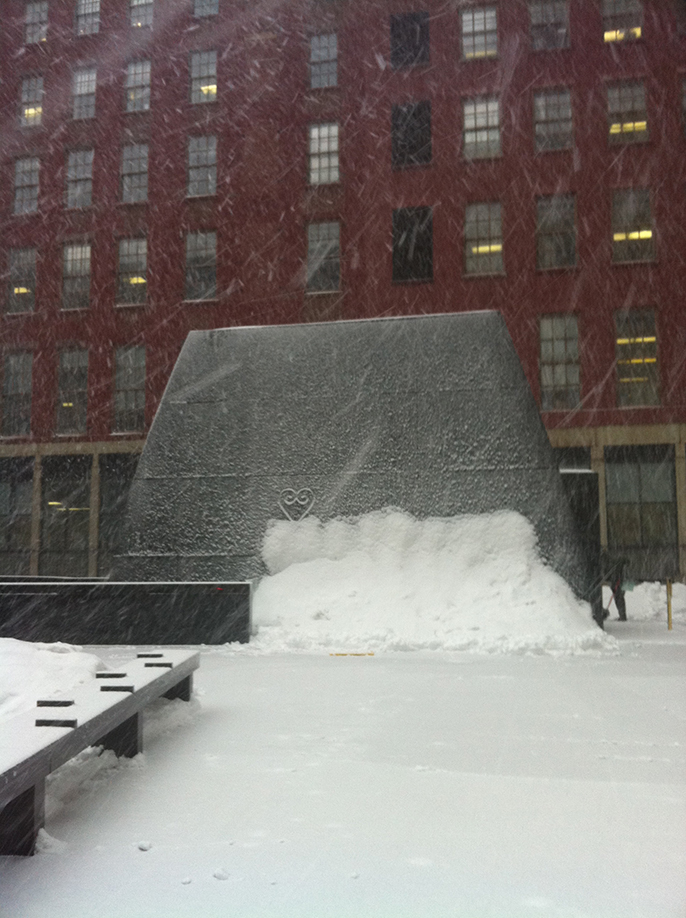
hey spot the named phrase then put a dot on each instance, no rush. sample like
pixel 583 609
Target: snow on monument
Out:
pixel 431 415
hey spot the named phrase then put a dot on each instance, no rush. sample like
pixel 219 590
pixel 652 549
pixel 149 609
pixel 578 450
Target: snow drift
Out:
pixel 28 671
pixel 387 581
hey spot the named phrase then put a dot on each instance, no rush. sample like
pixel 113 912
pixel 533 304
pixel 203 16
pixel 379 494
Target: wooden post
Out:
pixel 669 605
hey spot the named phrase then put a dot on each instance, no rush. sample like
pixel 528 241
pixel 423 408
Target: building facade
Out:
pixel 169 165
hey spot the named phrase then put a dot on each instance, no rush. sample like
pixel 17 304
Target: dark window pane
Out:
pixel 412 244
pixel 409 39
pixel 411 134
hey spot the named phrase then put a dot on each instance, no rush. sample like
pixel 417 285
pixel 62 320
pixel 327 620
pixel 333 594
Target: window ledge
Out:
pixel 24 312
pixel 336 292
pixel 413 281
pixel 642 261
pixel 201 197
pixel 212 300
pixel 127 433
pixel 130 305
pixel 490 274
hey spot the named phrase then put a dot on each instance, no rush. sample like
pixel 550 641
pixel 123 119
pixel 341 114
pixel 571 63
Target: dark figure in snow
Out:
pixel 613 574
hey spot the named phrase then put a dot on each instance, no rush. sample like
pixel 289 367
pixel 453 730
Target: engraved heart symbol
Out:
pixel 296 504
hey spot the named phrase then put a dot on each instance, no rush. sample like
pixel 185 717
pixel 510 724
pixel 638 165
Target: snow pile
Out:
pixel 387 581
pixel 28 671
pixel 647 602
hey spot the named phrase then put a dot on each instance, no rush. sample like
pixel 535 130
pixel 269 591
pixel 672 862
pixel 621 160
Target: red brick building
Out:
pixel 168 166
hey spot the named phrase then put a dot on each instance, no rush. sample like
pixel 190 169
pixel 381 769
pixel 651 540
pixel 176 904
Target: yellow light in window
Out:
pixel 67 404
pixel 80 509
pixel 629 127
pixel 54 503
pixel 18 290
pixel 473 55
pixel 630 379
pixel 486 249
pixel 137 280
pixel 210 89
pixel 645 340
pixel 633 235
pixel 636 33
pixel 31 113
pixel 622 34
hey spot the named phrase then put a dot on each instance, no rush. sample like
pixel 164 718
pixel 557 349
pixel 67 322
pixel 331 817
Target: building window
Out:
pixel 72 392
pixel 129 389
pixel 138 86
pixel 483 239
pixel 323 61
pixel 16 498
pixel 626 113
pixel 201 266
pixel 134 173
pixel 76 276
pixel 481 125
pixel 65 515
pixel 323 257
pixel 132 280
pixel 116 476
pixel 409 39
pixel 323 154
pixel 411 135
pixel 559 362
pixel 479 33
pixel 640 492
pixel 553 128
pixel 21 295
pixel 31 104
pixel 79 178
pixel 555 232
pixel 202 166
pixel 83 93
pixel 622 20
pixel 36 23
pixel 632 229
pixel 87 17
pixel 140 12
pixel 205 7
pixel 203 77
pixel 16 394
pixel 636 353
pixel 549 24
pixel 26 185
pixel 413 244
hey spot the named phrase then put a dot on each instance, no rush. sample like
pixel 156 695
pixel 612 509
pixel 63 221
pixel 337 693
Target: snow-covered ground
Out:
pixel 351 762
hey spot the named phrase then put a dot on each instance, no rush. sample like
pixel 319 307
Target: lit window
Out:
pixel 323 61
pixel 129 389
pixel 79 178
pixel 134 173
pixel 413 244
pixel 481 124
pixel 632 228
pixel 559 362
pixel 555 233
pixel 549 24
pixel 141 13
pixel 553 128
pixel 83 93
pixel 323 257
pixel 205 7
pixel 21 294
pixel 132 278
pixel 323 158
pixel 479 33
pixel 626 113
pixel 138 86
pixel 202 166
pixel 409 40
pixel 483 239
pixel 16 394
pixel 87 17
pixel 76 276
pixel 411 134
pixel 203 77
pixel 26 185
pixel 622 20
pixel 636 354
pixel 31 103
pixel 36 23
pixel 201 266
pixel 71 412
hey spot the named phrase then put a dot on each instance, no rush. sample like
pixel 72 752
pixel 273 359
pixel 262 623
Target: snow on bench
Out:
pixel 106 712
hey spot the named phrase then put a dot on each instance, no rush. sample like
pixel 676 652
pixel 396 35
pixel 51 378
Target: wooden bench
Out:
pixel 106 712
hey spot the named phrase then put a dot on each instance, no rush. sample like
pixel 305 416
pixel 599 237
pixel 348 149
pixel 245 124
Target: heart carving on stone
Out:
pixel 295 505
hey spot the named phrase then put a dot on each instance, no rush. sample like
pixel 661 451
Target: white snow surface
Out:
pixel 387 581
pixel 29 671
